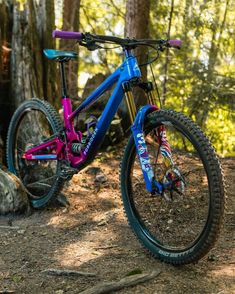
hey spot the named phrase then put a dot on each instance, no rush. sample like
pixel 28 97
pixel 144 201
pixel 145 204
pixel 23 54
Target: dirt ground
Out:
pixel 92 235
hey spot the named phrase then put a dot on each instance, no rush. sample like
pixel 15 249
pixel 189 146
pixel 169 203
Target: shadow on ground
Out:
pixel 92 235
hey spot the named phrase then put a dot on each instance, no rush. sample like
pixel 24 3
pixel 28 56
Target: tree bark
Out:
pixel 213 54
pixel 26 58
pixel 201 107
pixel 45 26
pixel 5 34
pixel 27 76
pixel 136 26
pixel 31 74
pixel 167 55
pixel 5 51
pixel 71 12
pixel 12 196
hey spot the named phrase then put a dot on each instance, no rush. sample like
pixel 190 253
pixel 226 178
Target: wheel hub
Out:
pixel 173 181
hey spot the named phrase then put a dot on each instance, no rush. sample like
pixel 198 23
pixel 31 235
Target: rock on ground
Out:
pixel 13 198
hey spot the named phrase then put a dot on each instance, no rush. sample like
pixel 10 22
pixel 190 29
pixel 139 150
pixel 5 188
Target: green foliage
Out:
pixel 201 79
pixel 200 76
pixel 220 128
pixel 104 18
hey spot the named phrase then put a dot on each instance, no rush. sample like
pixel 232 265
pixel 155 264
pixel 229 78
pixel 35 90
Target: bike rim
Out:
pixel 178 224
pixel 37 177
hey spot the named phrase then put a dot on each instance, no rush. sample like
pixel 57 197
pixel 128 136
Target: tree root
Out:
pixel 108 287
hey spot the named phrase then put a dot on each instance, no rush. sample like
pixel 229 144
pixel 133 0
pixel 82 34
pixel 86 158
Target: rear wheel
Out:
pixel 32 123
pixel 181 226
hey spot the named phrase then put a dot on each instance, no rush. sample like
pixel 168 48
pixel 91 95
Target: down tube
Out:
pixel 104 121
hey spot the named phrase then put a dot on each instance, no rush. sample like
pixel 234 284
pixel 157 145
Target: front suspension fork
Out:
pixel 127 89
pixel 137 121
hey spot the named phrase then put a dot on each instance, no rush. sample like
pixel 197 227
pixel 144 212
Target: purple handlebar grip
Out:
pixel 66 35
pixel 175 43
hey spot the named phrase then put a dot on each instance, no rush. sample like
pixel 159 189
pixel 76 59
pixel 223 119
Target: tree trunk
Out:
pixel 201 107
pixel 71 11
pixel 5 51
pixel 12 196
pixel 213 54
pixel 45 26
pixel 31 74
pixel 167 55
pixel 5 32
pixel 27 76
pixel 136 26
pixel 26 58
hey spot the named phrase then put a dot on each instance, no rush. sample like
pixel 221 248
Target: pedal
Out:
pixel 67 171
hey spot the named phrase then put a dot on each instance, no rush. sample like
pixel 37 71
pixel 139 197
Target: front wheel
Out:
pixel 182 225
pixel 33 122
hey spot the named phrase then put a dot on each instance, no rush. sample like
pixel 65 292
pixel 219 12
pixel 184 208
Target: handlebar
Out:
pixel 67 35
pixel 121 41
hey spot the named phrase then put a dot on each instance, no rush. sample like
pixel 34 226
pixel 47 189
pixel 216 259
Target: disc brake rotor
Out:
pixel 174 182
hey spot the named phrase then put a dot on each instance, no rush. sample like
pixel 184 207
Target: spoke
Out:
pixel 191 171
pixel 38 177
pixel 28 129
pixel 41 182
pixel 20 150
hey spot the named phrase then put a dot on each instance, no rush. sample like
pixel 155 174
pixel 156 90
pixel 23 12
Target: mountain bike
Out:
pixel 171 180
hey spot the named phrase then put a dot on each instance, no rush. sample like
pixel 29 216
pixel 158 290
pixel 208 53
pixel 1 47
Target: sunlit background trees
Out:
pixel 198 80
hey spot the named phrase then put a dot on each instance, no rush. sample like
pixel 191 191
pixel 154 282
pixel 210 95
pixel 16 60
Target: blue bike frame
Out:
pixel 129 70
pixel 126 72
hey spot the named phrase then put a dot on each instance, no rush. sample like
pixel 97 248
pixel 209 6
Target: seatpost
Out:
pixel 63 80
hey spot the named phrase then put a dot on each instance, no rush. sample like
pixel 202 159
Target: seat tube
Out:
pixel 129 100
pixel 63 80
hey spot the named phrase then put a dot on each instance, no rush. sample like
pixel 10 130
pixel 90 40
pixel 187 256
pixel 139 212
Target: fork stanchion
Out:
pixel 152 99
pixel 150 92
pixel 129 100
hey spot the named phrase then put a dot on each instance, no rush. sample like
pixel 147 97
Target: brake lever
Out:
pixel 160 47
pixel 90 45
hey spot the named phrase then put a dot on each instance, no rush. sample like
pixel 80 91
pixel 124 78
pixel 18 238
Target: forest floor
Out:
pixel 92 235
